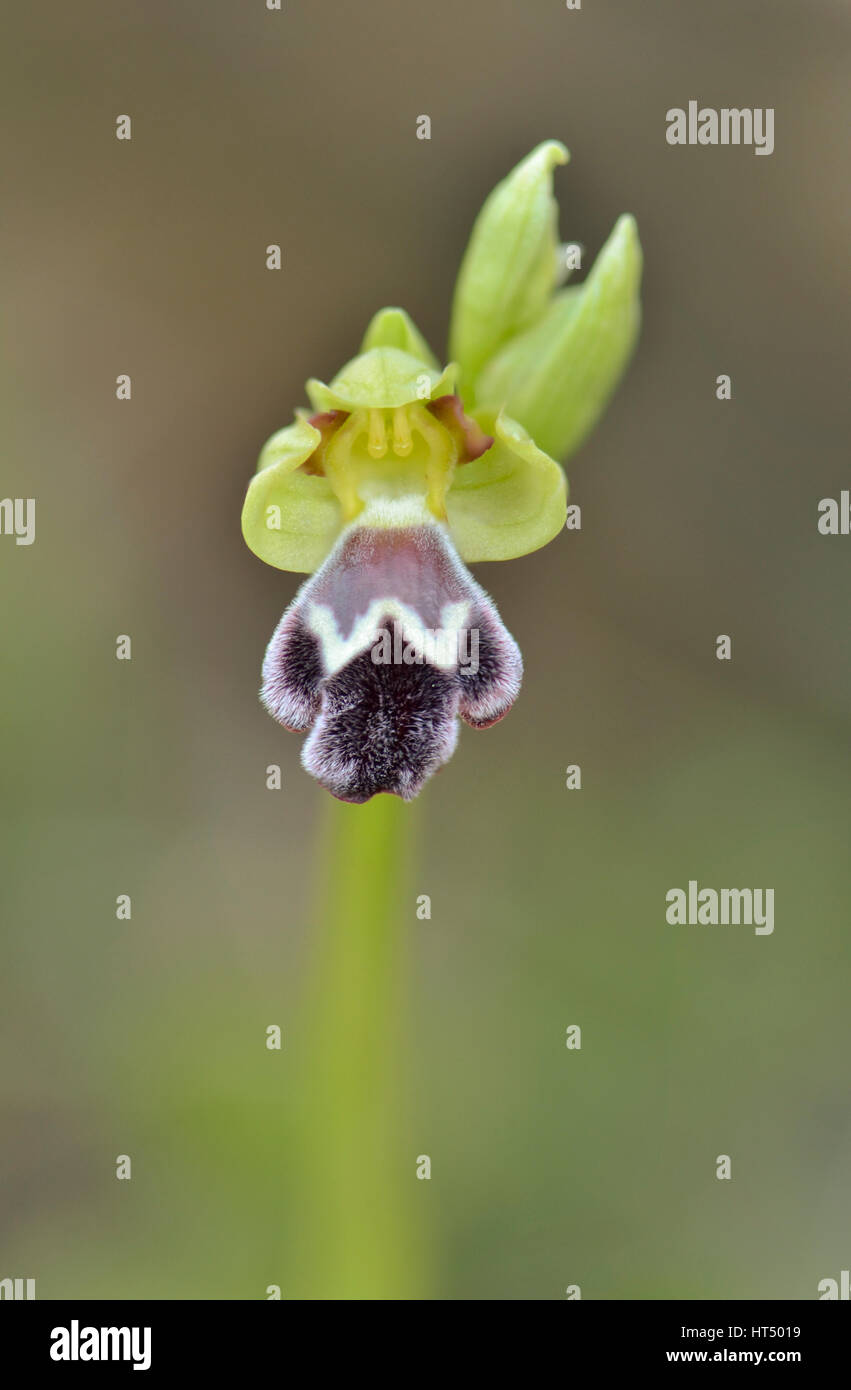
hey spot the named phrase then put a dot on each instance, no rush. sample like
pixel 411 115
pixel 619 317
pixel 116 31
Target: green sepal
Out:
pixel 394 328
pixel 382 378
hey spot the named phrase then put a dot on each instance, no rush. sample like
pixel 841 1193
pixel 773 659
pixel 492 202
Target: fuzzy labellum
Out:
pixel 381 652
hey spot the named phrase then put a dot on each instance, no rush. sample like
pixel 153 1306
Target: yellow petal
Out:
pixel 290 518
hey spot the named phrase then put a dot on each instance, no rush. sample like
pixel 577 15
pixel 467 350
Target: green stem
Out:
pixel 359 1176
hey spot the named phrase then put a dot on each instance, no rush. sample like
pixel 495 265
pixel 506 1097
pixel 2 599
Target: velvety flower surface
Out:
pixel 403 471
pixel 380 653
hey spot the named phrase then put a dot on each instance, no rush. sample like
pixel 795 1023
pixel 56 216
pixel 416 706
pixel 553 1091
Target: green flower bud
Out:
pixel 558 376
pixel 510 266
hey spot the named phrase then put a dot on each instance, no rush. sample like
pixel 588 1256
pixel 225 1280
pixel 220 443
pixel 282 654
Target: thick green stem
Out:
pixel 359 1179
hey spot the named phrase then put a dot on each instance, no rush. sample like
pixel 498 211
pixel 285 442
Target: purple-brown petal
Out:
pixel 327 422
pixel 488 693
pixel 292 673
pixel 380 652
pixel 383 728
pixel 469 436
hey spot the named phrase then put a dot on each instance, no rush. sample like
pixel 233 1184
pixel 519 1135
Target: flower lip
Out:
pixel 381 652
pixel 383 728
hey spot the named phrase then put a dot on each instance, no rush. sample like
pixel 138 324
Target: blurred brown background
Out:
pixel 699 517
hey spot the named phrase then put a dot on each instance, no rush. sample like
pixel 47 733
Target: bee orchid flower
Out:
pixel 403 472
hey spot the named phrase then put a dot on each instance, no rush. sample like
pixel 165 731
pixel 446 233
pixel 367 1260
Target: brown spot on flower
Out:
pixel 471 439
pixel 327 422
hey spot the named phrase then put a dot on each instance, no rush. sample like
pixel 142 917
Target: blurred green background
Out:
pixel 550 1167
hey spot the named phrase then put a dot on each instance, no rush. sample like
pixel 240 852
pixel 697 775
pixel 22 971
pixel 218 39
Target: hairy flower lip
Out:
pixel 376 726
pixel 382 730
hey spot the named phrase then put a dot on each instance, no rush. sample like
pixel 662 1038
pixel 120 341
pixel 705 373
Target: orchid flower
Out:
pixel 404 472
